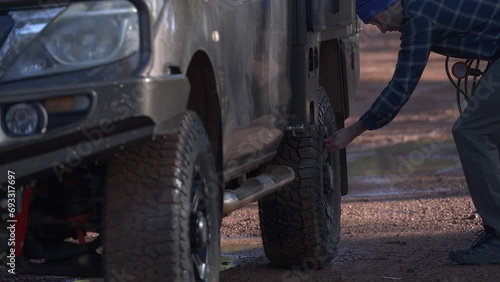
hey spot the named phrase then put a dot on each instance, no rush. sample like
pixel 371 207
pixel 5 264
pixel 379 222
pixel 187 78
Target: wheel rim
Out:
pixel 328 184
pixel 199 228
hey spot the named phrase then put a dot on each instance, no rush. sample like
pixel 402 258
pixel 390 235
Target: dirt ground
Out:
pixel 408 202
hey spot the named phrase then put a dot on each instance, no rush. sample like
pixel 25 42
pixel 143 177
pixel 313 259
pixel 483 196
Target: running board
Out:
pixel 256 188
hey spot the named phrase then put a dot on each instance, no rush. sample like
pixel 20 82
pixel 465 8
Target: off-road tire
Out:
pixel 300 223
pixel 155 195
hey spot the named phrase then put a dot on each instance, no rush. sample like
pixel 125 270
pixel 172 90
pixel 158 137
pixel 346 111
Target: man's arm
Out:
pixel 416 41
pixel 344 136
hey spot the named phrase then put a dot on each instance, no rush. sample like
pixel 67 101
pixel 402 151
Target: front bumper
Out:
pixel 121 113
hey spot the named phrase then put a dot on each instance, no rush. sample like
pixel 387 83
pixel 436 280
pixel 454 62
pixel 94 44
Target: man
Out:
pixel 464 29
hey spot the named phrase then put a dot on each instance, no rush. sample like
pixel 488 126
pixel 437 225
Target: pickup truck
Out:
pixel 129 128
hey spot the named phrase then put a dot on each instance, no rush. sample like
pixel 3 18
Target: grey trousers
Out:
pixel 477 137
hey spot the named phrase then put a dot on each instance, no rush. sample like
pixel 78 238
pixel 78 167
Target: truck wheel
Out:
pixel 162 210
pixel 300 223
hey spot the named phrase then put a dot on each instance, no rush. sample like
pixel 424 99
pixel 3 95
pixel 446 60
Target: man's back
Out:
pixel 467 28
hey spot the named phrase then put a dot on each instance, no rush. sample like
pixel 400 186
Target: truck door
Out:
pixel 256 63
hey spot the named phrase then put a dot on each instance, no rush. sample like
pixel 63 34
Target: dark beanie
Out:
pixel 368 9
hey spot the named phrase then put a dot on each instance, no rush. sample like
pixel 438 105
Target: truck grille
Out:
pixel 6 24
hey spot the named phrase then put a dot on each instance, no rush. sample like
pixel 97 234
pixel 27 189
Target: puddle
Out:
pixel 432 155
pixel 396 191
pixel 389 171
pixel 238 245
pixel 235 250
pixel 227 262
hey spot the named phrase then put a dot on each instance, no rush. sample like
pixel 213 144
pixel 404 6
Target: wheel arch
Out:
pixel 204 101
pixel 332 78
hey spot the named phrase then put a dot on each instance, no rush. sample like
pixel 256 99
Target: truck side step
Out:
pixel 257 187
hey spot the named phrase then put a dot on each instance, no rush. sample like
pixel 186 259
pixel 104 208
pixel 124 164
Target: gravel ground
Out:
pixel 402 237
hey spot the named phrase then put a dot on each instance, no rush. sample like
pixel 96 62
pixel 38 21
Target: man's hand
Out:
pixel 342 138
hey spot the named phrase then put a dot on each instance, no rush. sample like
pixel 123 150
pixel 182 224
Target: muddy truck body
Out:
pixel 130 128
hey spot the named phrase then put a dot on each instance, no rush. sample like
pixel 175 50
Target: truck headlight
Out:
pixel 82 35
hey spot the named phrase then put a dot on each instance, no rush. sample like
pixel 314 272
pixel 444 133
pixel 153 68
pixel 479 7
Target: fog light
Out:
pixel 24 119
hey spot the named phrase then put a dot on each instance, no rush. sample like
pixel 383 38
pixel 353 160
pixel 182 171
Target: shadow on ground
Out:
pixel 397 258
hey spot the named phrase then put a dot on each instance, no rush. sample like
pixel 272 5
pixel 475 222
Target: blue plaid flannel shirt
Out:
pixel 457 28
